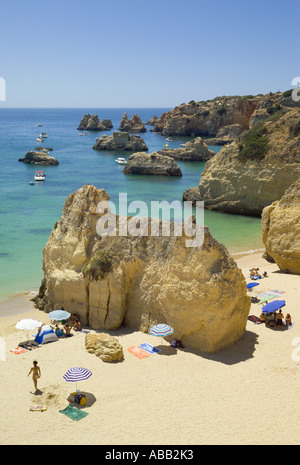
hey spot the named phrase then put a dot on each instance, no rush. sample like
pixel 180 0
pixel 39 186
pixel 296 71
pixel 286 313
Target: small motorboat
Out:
pixel 83 134
pixel 39 176
pixel 169 139
pixel 43 135
pixel 121 161
pixel 39 139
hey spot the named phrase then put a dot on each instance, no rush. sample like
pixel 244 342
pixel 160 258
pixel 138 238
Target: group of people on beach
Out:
pixel 64 329
pixel 254 273
pixel 276 319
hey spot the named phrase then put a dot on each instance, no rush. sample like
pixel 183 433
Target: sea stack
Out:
pixel 138 281
pixel 92 123
pixel 121 141
pixel 152 164
pixel 134 125
pixel 38 158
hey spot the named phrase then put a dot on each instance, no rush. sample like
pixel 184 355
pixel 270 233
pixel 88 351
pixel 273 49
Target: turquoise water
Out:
pixel 28 213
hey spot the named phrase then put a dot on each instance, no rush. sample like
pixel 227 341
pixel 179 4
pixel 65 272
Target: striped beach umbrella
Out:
pixel 162 330
pixel 73 375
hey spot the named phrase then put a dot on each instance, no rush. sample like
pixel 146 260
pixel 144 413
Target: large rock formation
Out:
pixel 194 150
pixel 281 230
pixel 92 123
pixel 254 171
pixel 121 141
pixel 38 158
pixel 134 125
pixel 206 118
pixel 152 163
pixel 141 280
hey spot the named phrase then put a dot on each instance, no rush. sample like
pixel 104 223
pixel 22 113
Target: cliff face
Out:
pixel 252 172
pixel 207 118
pixel 281 230
pixel 140 281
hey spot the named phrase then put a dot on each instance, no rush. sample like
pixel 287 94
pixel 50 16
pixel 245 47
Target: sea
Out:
pixel 28 212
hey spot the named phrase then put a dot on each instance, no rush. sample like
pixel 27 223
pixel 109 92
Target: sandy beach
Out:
pixel 246 394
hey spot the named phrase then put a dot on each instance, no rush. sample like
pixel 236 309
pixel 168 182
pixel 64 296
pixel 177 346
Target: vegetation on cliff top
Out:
pixel 255 144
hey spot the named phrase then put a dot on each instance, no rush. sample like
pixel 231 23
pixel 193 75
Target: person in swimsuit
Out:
pixel 36 374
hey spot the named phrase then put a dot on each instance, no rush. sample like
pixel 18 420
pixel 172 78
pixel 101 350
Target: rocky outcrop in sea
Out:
pixel 152 164
pixel 134 125
pixel 92 123
pixel 38 158
pixel 138 281
pixel 194 150
pixel 121 141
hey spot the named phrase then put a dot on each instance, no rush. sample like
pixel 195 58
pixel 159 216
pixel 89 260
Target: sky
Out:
pixel 137 53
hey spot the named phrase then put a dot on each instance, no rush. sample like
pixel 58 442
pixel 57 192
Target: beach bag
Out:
pixel 83 400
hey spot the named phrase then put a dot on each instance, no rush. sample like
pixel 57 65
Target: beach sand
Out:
pixel 246 394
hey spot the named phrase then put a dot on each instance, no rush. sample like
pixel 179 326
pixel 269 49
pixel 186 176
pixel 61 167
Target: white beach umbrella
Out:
pixel 28 324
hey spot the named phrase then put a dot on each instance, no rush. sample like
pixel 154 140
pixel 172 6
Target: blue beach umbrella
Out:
pixel 273 306
pixel 59 315
pixel 250 285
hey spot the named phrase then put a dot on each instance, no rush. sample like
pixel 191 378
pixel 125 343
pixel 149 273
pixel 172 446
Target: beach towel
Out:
pixel 138 352
pixel 38 408
pixel 255 319
pixel 18 350
pixel 74 413
pixel 149 348
pixel 266 296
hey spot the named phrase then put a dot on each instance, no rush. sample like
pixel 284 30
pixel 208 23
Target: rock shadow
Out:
pixel 241 351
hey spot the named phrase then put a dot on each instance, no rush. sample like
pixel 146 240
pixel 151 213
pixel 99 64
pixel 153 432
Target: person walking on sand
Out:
pixel 36 374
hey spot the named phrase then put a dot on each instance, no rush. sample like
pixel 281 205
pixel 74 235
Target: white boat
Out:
pixel 121 161
pixel 39 176
pixel 43 135
pixel 39 139
pixel 169 139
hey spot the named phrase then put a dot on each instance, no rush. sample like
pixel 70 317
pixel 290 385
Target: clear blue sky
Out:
pixel 133 53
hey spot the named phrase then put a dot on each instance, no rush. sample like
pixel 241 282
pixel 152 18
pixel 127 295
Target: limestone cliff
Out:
pixel 140 281
pixel 207 118
pixel 281 230
pixel 252 172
